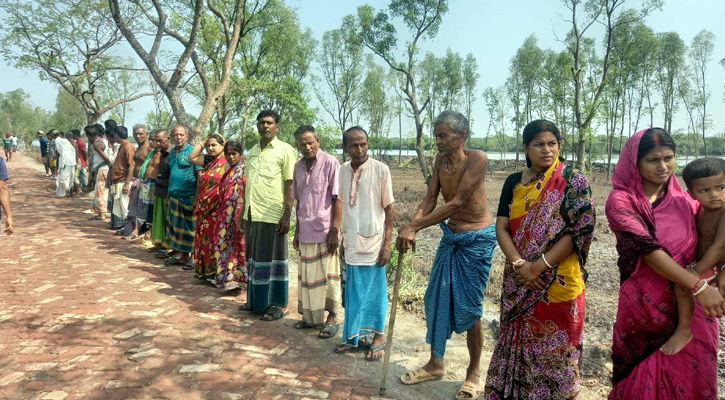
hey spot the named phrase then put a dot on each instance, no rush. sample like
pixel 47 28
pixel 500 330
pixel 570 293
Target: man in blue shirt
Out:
pixel 5 199
pixel 44 152
pixel 181 225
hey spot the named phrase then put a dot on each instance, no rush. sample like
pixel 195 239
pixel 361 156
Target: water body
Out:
pixel 681 160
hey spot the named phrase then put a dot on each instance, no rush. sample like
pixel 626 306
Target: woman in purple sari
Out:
pixel 654 221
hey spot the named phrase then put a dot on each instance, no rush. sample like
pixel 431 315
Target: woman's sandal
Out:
pixel 418 376
pixel 340 350
pixel 172 261
pixel 275 313
pixel 374 350
pixel 329 331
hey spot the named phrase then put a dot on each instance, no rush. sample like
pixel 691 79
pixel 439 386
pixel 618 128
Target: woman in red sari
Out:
pixel 654 222
pixel 231 270
pixel 545 225
pixel 207 198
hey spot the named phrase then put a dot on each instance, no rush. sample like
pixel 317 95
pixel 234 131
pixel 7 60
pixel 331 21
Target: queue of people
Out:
pixel 208 209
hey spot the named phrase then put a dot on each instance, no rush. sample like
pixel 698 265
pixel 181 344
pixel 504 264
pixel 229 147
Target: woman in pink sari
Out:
pixel 654 221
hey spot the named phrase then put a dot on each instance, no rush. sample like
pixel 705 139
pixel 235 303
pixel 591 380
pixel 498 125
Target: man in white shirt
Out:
pixel 66 164
pixel 366 191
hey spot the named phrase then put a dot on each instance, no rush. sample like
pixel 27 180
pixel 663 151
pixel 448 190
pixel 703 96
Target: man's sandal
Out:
pixel 304 325
pixel 418 376
pixel 469 390
pixel 329 331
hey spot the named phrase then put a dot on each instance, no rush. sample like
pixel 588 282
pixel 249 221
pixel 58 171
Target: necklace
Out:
pixel 457 165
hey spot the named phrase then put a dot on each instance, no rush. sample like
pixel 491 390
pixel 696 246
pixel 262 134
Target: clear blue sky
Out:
pixel 491 30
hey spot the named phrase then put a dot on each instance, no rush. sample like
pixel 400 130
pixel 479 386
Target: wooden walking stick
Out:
pixel 391 322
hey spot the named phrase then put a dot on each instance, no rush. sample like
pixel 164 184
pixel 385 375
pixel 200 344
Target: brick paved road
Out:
pixel 86 315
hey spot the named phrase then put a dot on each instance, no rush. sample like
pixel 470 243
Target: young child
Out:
pixel 705 180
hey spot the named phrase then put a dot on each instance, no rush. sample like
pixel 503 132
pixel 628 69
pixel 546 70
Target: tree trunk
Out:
pixel 580 151
pixel 400 135
pixel 421 151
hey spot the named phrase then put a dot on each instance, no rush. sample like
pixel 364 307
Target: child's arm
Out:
pixel 715 252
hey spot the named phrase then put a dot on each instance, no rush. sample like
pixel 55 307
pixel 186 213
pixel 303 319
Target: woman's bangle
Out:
pixel 534 269
pixel 694 288
pixel 518 262
pixel 702 289
pixel 543 257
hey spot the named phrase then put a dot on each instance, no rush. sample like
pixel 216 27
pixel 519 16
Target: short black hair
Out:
pixel 91 130
pixel 702 168
pixel 122 132
pixel 354 128
pixel 75 132
pixel 100 129
pixel 268 113
pixel 304 129
pixel 652 139
pixel 110 124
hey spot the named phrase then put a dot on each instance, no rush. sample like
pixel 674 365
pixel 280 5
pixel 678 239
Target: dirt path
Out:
pixel 84 314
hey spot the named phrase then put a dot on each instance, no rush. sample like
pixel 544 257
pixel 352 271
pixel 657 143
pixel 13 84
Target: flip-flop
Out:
pixel 162 255
pixel 470 389
pixel 338 349
pixel 275 313
pixel 373 350
pixel 418 376
pixel 188 266
pixel 96 218
pixel 328 331
pixel 304 325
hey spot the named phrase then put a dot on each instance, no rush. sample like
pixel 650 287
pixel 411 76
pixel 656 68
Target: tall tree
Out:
pixel 68 114
pixel 701 53
pixel 270 70
pixel 377 107
pixel 558 98
pixel 69 43
pixel 377 33
pixel 234 18
pixel 499 114
pixel 670 60
pixel 452 81
pixel 608 12
pixel 470 82
pixel 343 70
pixel 20 116
pixel 525 69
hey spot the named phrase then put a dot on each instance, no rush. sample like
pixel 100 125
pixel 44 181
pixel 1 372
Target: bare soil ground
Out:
pixel 602 286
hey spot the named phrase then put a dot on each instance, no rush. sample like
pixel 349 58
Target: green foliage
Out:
pixel 18 115
pixel 409 286
pixel 69 114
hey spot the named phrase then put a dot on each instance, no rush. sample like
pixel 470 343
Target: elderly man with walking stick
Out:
pixel 454 298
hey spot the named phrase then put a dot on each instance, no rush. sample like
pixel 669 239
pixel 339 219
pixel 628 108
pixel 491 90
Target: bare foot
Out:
pixel 474 378
pixel 677 341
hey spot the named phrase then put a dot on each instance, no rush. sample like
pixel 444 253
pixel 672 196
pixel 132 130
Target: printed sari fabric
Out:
pixel 207 215
pixel 539 346
pixel 647 311
pixel 231 268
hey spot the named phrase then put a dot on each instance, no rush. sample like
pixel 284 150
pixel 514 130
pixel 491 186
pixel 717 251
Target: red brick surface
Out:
pixel 84 314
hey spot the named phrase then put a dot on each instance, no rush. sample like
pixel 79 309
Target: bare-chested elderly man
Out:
pixel 454 298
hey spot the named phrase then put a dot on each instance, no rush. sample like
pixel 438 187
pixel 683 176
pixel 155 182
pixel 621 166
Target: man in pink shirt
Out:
pixel 319 212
